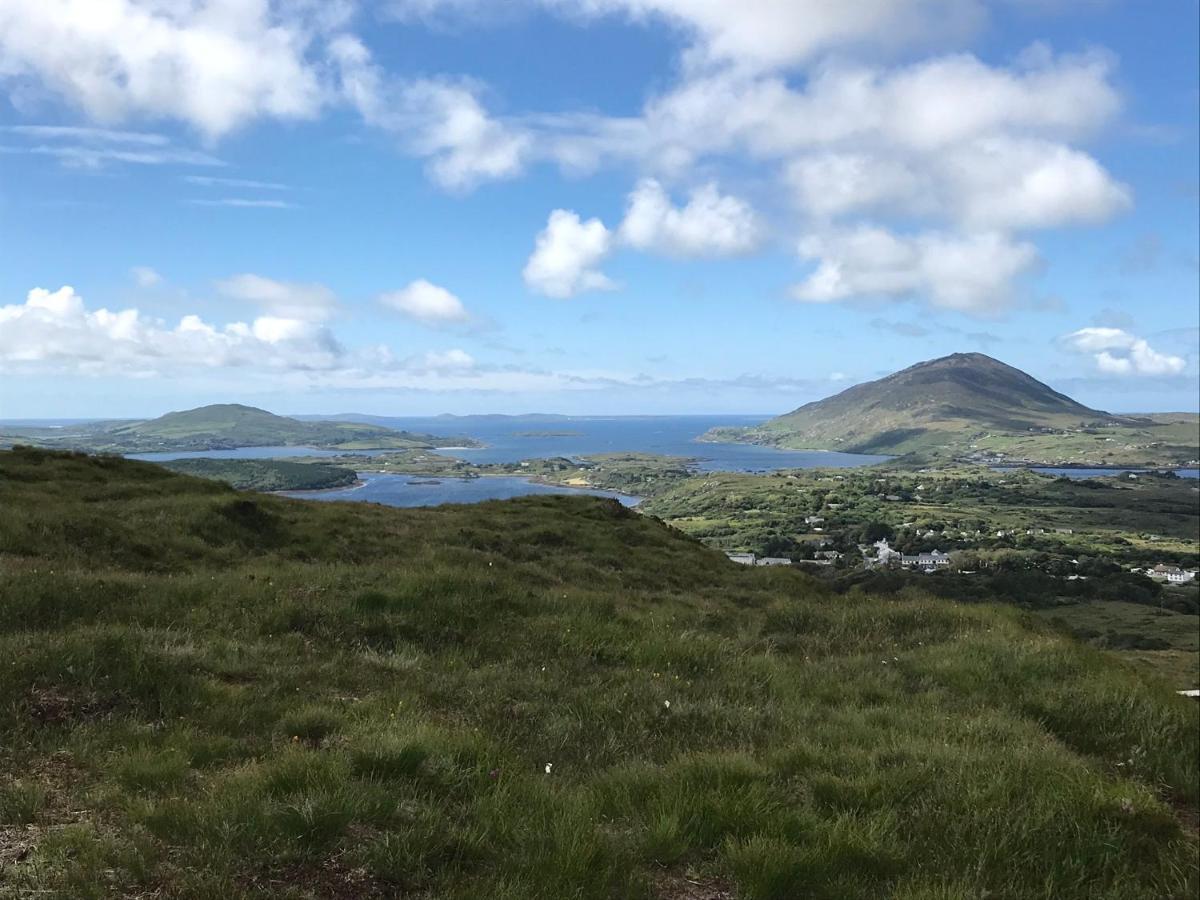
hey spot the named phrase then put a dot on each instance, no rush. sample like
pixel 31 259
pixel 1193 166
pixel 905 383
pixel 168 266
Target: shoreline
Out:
pixel 528 479
pixel 1133 467
pixel 358 483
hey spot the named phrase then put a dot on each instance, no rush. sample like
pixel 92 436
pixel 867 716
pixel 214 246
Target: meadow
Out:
pixel 213 694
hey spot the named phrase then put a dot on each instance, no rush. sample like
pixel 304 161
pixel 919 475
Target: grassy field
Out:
pixel 207 694
pixel 1159 639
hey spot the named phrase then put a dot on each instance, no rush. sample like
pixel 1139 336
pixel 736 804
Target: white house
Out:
pixel 773 561
pixel 884 554
pixel 926 561
pixel 1172 574
pixel 745 559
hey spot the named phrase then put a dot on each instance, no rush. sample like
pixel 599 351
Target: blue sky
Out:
pixel 590 206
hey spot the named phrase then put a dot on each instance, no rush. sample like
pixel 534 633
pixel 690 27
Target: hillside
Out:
pixel 228 426
pixel 970 403
pixel 208 693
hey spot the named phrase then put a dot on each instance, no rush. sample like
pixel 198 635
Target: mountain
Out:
pixel 938 405
pixel 208 693
pixel 227 426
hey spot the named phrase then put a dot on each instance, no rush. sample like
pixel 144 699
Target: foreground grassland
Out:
pixel 212 694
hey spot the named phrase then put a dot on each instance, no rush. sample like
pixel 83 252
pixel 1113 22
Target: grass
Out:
pixel 210 694
pixel 1162 639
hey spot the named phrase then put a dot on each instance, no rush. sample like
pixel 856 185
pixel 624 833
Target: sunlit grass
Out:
pixel 210 694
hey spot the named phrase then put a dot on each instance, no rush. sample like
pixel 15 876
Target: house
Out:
pixel 1064 530
pixel 827 554
pixel 884 554
pixel 773 561
pixel 926 561
pixel 745 559
pixel 813 520
pixel 1171 574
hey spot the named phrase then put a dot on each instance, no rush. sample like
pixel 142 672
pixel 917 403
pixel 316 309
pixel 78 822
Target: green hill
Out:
pixel 965 404
pixel 207 693
pixel 228 426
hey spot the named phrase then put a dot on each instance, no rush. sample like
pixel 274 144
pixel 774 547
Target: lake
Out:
pixel 413 490
pixel 1102 473
pixel 536 437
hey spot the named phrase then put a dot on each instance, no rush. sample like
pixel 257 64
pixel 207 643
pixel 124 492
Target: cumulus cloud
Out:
pixel 282 299
pixel 145 277
pixel 1018 184
pixel 566 255
pixel 711 224
pixel 758 33
pixel 213 64
pixel 427 303
pixel 442 121
pixel 968 273
pixel 1117 352
pixel 54 330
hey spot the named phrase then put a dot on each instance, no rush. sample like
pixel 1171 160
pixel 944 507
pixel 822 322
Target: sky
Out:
pixel 413 207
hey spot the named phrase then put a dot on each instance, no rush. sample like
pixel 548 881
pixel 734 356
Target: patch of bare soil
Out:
pixel 674 886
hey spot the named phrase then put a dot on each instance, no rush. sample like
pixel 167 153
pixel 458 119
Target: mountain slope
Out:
pixel 944 404
pixel 208 693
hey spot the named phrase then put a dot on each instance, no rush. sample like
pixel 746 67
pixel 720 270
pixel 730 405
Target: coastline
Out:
pixel 358 483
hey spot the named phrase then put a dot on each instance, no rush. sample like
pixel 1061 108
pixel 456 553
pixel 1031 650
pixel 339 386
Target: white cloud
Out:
pixel 711 224
pixel 441 121
pixel 145 276
pixel 444 361
pixel 93 157
pixel 427 303
pixel 282 299
pixel 1117 352
pixel 245 203
pixel 830 184
pixel 968 273
pixel 213 64
pixel 55 331
pixel 759 33
pixel 566 255
pixel 1009 183
pixel 249 184
pixel 88 135
pixel 464 144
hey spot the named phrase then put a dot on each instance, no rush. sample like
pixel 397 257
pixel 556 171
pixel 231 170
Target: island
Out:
pixel 225 426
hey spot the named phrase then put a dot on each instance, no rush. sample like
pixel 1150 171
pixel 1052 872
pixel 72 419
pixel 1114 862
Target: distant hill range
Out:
pixel 969 405
pixel 227 426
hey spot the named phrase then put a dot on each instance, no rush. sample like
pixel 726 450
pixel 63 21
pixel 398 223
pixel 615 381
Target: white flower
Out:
pixel 549 766
pixel 667 704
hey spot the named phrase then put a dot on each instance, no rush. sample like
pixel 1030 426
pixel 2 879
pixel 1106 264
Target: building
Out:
pixel 927 561
pixel 813 520
pixel 773 561
pixel 884 554
pixel 745 559
pixel 1171 574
